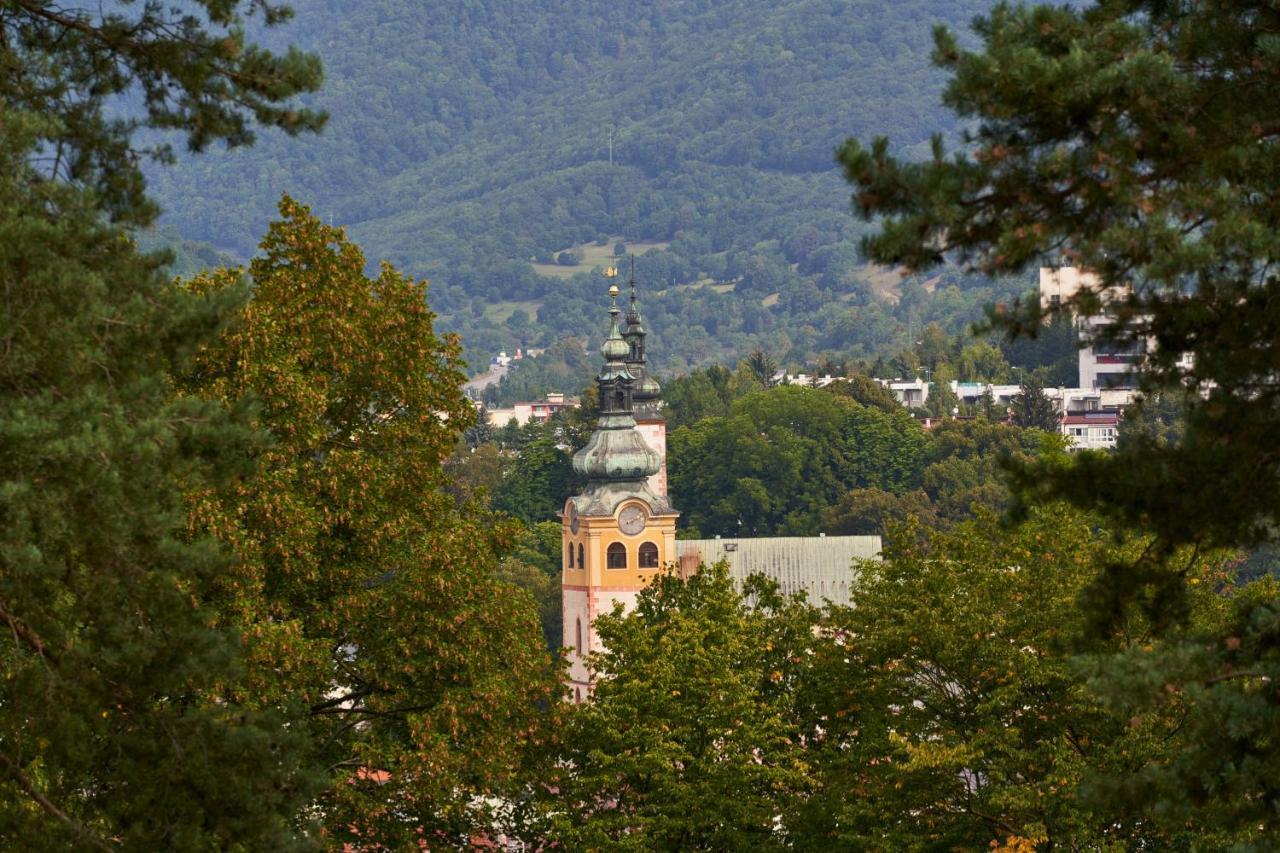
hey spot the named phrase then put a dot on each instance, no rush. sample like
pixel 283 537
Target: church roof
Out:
pixel 820 566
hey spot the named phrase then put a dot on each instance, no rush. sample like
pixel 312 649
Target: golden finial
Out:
pixel 613 290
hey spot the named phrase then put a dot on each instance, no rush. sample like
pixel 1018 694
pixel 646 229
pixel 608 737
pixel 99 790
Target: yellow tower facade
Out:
pixel 619 532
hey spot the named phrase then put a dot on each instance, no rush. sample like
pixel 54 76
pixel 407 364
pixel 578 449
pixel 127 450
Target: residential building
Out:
pixel 1091 430
pixel 536 410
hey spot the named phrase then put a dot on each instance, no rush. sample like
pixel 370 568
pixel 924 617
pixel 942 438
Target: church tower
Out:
pixel 645 396
pixel 619 532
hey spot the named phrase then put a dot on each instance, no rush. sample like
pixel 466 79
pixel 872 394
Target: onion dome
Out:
pixel 614 348
pixel 616 451
pixel 616 455
pixel 646 389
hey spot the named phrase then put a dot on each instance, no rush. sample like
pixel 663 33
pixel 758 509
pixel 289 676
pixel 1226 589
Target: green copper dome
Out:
pixel 616 453
pixel 614 349
pixel 617 460
pixel 646 389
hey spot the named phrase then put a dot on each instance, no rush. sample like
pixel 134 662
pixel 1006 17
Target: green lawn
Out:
pixel 500 311
pixel 594 255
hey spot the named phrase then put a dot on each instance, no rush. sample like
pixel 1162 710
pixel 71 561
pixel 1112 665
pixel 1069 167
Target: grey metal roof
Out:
pixel 821 566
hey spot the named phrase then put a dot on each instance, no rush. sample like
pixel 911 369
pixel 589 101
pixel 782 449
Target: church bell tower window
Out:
pixel 617 556
pixel 648 555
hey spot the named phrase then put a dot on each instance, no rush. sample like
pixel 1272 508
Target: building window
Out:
pixel 571 555
pixel 578 644
pixel 617 556
pixel 578 693
pixel 648 555
pixel 582 563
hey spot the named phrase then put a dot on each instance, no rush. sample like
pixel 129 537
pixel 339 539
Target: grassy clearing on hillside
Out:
pixel 595 255
pixel 498 312
pixel 885 283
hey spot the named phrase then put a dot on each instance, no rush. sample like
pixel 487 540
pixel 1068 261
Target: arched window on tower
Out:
pixel 578 644
pixel 648 555
pixel 582 563
pixel 617 556
pixel 571 555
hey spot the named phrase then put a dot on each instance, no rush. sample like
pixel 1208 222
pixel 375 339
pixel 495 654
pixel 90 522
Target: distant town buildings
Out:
pixel 535 410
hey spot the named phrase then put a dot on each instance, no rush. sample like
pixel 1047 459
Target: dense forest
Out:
pixel 505 152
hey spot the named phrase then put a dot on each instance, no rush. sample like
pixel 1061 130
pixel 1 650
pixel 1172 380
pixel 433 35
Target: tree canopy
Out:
pixel 415 669
pixel 118 722
pixel 955 713
pixel 1128 138
pixel 689 741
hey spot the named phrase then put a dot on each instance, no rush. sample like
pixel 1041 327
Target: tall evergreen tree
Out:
pixel 1130 137
pixel 123 717
pixel 1031 409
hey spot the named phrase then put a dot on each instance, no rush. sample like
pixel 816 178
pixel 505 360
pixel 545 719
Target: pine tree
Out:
pixel 1031 409
pixel 188 66
pixel 1129 137
pixel 123 717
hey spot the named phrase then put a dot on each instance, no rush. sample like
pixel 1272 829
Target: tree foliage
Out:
pixel 689 741
pixel 122 722
pixel 955 713
pixel 1031 408
pixel 188 69
pixel 415 672
pixel 1126 135
pixel 1129 137
pixel 795 461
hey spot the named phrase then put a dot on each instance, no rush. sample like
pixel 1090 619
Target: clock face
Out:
pixel 632 520
pixel 573 520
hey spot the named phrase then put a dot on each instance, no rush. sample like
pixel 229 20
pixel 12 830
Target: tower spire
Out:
pixel 619 532
pixel 615 453
pixel 646 391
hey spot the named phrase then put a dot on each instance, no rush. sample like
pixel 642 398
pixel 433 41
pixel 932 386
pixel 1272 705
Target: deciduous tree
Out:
pixel 368 602
pixel 689 741
pixel 954 713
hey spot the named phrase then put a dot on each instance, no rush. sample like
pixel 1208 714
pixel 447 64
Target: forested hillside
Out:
pixel 469 142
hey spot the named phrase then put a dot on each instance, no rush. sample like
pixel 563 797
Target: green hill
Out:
pixel 470 138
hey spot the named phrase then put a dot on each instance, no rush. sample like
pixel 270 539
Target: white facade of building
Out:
pixel 1091 430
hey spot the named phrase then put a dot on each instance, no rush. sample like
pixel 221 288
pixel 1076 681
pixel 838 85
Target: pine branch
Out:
pixel 45 804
